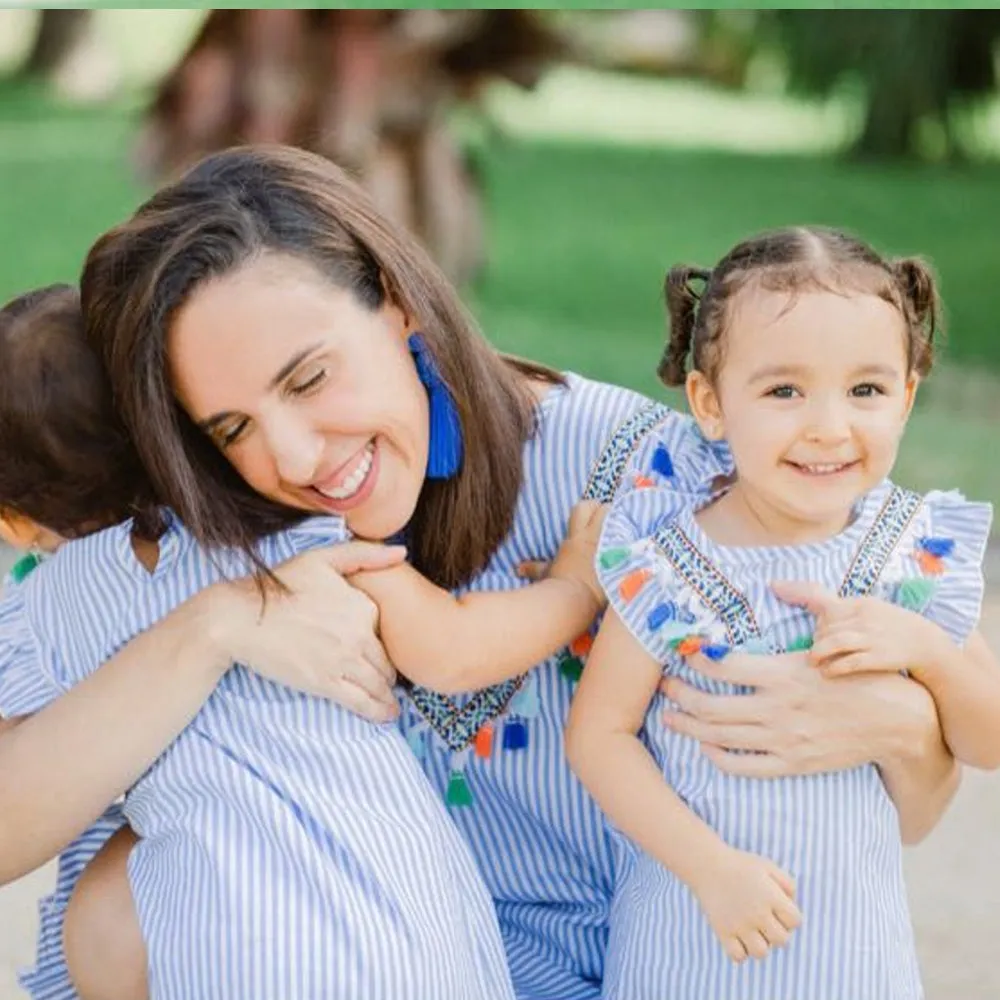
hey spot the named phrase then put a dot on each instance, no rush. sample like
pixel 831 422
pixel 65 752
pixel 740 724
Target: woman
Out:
pixel 274 258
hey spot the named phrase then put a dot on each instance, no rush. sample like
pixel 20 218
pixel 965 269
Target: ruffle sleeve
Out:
pixel 654 603
pixel 26 686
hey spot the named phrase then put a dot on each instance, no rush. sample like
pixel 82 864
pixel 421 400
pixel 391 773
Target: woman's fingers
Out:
pixel 734 736
pixel 721 708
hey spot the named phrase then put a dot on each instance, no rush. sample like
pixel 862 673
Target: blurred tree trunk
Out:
pixel 59 32
pixel 915 66
pixel 370 89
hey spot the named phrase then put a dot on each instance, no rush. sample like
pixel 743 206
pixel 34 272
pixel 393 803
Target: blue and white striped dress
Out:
pixel 289 849
pixel 498 755
pixel 48 978
pixel 836 834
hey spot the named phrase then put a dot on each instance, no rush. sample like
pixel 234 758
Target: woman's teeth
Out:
pixel 353 482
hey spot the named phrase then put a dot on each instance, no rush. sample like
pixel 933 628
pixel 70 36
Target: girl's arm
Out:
pixel 454 644
pixel 747 899
pixel 965 685
pixel 60 768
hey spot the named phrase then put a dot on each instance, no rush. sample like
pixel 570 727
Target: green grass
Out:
pixel 580 235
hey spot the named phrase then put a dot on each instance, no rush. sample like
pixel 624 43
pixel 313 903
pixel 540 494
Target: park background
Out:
pixel 652 138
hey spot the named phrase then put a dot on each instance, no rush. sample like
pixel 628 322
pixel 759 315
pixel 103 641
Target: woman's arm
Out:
pixel 60 768
pixel 800 722
pixel 453 644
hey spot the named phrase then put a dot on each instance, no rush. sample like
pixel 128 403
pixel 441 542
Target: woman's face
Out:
pixel 312 397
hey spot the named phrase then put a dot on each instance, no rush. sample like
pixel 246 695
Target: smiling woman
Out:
pixel 324 410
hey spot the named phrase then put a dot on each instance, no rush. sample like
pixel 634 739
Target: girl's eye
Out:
pixel 308 384
pixel 782 392
pixel 866 390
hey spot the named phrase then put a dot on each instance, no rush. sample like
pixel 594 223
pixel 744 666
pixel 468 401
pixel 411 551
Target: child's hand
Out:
pixel 575 559
pixel 861 634
pixel 749 901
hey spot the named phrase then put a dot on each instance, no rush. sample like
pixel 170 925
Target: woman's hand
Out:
pixel 798 721
pixel 319 637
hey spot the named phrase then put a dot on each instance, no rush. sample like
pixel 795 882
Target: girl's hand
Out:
pixel 750 903
pixel 320 636
pixel 574 561
pixel 861 634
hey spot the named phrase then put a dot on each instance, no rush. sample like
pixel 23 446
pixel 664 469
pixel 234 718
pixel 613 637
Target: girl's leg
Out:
pixel 105 952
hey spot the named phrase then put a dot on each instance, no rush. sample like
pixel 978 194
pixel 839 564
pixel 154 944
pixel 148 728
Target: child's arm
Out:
pixel 454 644
pixel 861 634
pixel 747 899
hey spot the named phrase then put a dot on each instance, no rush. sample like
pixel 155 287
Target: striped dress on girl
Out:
pixel 497 755
pixel 290 849
pixel 836 834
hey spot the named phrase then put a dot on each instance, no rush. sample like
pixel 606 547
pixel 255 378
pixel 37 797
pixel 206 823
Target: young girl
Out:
pixel 288 847
pixel 807 351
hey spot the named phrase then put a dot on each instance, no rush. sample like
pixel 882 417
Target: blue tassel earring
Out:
pixel 445 446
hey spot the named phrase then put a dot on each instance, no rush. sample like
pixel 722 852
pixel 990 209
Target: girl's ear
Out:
pixel 703 401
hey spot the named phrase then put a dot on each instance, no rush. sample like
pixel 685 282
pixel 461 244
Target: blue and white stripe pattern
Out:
pixel 289 849
pixel 540 840
pixel 836 834
pixel 49 978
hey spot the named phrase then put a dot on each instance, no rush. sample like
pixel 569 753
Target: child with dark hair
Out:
pixel 808 348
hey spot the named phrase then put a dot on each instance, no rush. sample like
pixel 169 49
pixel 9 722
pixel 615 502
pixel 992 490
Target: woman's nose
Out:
pixel 296 449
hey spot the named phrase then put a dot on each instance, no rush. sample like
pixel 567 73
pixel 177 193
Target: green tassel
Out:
pixel 800 645
pixel 571 667
pixel 459 794
pixel 915 593
pixel 610 558
pixel 24 566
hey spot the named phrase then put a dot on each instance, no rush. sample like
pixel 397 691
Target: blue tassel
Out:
pixel 715 651
pixel 662 613
pixel 515 735
pixel 940 547
pixel 445 446
pixel 662 465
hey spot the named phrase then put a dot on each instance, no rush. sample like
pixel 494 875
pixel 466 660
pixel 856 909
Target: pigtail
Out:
pixel 918 286
pixel 682 309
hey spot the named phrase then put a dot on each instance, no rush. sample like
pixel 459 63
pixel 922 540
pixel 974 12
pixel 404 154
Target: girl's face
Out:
pixel 813 393
pixel 311 396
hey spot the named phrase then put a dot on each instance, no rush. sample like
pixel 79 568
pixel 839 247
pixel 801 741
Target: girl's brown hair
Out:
pixel 806 258
pixel 65 459
pixel 232 207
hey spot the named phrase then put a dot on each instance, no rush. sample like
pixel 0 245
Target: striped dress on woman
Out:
pixel 497 755
pixel 289 848
pixel 836 834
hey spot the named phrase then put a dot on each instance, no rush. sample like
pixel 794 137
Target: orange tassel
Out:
pixel 930 564
pixel 581 645
pixel 642 482
pixel 484 742
pixel 633 583
pixel 692 644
